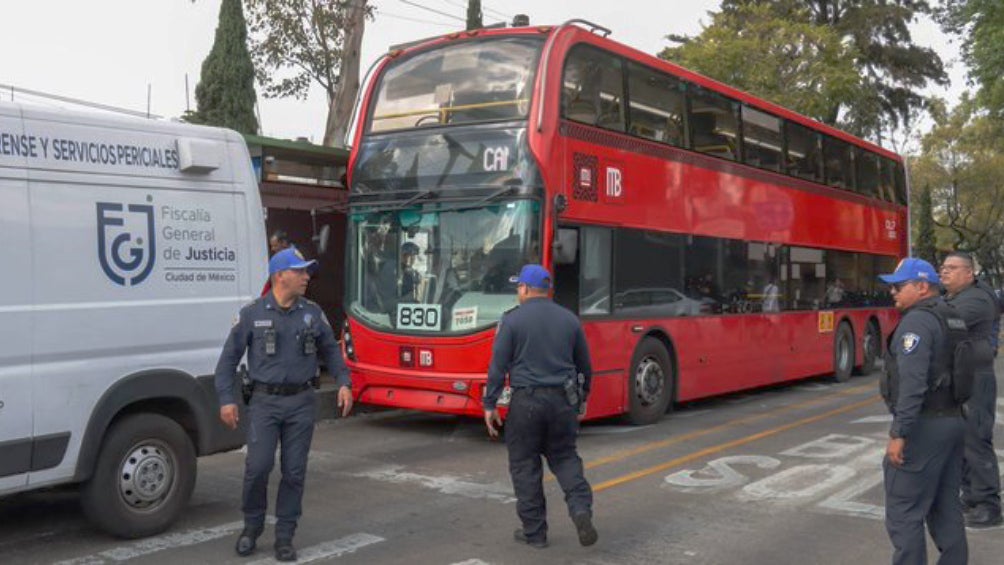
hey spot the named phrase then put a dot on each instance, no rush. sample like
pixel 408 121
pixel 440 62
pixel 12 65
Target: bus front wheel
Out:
pixel 650 384
pixel 843 353
pixel 871 348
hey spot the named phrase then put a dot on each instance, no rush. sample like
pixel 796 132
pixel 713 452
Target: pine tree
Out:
pixel 225 95
pixel 926 248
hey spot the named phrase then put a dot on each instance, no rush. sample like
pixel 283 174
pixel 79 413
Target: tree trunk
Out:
pixel 341 104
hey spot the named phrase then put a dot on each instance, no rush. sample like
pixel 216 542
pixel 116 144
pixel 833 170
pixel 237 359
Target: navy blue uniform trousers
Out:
pixel 980 473
pixel 278 420
pixel 541 422
pixel 926 489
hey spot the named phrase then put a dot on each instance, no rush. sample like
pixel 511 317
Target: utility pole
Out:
pixel 348 74
pixel 474 15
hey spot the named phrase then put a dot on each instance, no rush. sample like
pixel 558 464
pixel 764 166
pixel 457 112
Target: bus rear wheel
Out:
pixel 843 353
pixel 143 478
pixel 871 348
pixel 650 384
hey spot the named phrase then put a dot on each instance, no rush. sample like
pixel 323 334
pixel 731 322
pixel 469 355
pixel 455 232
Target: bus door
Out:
pixel 582 275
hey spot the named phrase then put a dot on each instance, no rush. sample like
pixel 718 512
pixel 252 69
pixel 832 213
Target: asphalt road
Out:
pixel 784 475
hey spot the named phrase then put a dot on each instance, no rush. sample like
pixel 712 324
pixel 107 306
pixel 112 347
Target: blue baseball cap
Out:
pixel 534 276
pixel 290 258
pixel 912 269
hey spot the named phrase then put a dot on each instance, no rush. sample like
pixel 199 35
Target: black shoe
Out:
pixel 584 527
pixel 247 541
pixel 519 536
pixel 284 550
pixel 983 517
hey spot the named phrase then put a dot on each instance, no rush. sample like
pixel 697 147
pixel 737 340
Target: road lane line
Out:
pixel 335 548
pixel 160 543
pixel 645 448
pixel 729 445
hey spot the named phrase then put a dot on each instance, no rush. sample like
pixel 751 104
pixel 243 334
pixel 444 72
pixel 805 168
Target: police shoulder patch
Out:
pixel 910 342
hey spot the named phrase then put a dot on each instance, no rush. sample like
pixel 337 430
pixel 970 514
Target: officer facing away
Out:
pixel 923 462
pixel 283 333
pixel 542 348
pixel 977 304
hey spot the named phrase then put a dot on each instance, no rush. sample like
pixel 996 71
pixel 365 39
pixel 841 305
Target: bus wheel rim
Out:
pixel 649 381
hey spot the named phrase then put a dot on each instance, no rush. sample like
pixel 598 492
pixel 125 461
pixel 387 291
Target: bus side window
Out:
pixel 761 139
pixel 838 161
pixel 656 103
pixel 867 173
pixel 714 124
pixel 803 157
pixel 593 88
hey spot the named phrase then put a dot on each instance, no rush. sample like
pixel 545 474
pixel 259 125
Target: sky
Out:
pixel 115 52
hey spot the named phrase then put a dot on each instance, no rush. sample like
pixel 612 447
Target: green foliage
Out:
pixel 875 34
pixel 981 25
pixel 799 65
pixel 961 161
pixel 225 95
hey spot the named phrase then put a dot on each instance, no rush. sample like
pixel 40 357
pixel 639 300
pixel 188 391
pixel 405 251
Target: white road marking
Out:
pixel 609 430
pixel 335 548
pixel 444 484
pixel 471 562
pixel 160 543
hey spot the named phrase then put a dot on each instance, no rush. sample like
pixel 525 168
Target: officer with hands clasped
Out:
pixel 976 302
pixel 923 462
pixel 283 334
pixel 542 347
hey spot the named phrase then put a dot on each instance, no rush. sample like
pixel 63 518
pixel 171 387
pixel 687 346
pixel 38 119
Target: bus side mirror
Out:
pixel 566 246
pixel 321 239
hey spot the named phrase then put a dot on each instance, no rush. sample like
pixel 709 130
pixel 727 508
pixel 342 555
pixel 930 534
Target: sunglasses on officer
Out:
pixel 897 287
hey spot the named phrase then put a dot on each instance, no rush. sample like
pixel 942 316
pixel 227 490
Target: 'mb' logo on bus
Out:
pixel 615 183
pixel 126 241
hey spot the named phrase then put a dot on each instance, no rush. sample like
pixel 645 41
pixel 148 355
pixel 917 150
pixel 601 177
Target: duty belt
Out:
pixel 281 389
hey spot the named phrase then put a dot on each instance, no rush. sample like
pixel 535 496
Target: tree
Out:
pixel 981 25
pixel 474 16
pixel 299 42
pixel 892 68
pixel 225 95
pixel 961 160
pixel 797 64
pixel 926 246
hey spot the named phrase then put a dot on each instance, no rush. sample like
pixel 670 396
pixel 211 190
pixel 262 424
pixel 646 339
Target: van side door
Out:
pixel 16 419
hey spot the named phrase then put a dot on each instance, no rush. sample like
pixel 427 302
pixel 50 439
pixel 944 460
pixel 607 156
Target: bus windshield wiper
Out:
pixel 420 196
pixel 374 207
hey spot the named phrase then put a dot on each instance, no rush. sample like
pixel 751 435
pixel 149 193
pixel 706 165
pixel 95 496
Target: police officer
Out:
pixel 283 333
pixel 542 348
pixel 977 304
pixel 923 462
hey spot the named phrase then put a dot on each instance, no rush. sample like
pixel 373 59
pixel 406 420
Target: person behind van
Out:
pixel 283 333
pixel 279 241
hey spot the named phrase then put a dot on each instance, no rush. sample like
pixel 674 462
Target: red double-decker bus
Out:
pixel 710 241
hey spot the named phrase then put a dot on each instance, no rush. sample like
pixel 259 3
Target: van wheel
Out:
pixel 871 348
pixel 143 478
pixel 650 383
pixel 843 353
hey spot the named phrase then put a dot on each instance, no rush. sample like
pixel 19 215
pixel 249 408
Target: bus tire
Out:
pixel 871 348
pixel 843 353
pixel 650 383
pixel 143 478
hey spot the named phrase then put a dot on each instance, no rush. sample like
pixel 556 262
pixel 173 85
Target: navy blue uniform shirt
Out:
pixel 290 364
pixel 538 344
pixel 917 339
pixel 978 307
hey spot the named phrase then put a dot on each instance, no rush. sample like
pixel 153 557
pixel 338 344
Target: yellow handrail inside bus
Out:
pixel 448 109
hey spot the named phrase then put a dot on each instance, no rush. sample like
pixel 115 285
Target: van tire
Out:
pixel 843 353
pixel 650 383
pixel 143 478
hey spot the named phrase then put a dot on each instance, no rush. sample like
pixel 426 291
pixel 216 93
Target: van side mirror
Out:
pixel 566 246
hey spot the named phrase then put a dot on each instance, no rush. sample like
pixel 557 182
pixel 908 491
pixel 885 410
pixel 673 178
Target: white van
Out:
pixel 127 246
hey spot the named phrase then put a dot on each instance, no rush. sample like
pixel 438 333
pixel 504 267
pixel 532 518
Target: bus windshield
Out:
pixel 439 271
pixel 462 83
